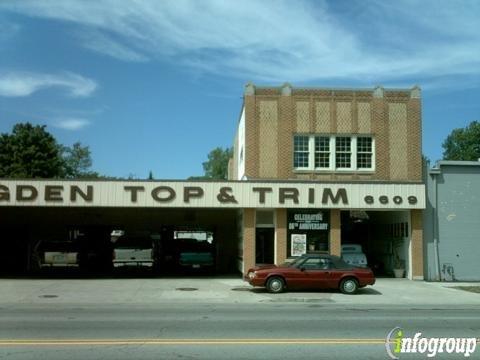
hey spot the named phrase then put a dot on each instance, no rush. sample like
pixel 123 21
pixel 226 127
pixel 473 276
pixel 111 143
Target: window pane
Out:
pixel 364 144
pixel 322 160
pixel 364 161
pixel 301 143
pixel 343 161
pixel 300 151
pixel 322 152
pixel 300 160
pixel 342 144
pixel 343 155
pixel 322 143
pixel 364 153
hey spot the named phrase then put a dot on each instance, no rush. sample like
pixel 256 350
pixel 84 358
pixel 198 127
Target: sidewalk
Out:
pixel 222 290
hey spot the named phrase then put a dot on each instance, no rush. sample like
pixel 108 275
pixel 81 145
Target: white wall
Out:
pixel 241 147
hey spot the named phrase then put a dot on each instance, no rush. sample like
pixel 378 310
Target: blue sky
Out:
pixel 155 85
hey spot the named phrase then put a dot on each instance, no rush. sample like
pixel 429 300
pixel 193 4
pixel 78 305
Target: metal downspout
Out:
pixel 435 228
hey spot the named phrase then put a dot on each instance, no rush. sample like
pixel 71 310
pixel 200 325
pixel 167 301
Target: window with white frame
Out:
pixel 364 152
pixel 301 152
pixel 322 152
pixel 334 153
pixel 343 152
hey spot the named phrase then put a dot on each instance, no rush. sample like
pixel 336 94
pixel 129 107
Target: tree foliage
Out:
pixel 216 167
pixel 32 152
pixel 77 161
pixel 29 152
pixel 463 144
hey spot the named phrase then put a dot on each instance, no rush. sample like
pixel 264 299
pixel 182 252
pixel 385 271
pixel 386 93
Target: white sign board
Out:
pixel 298 244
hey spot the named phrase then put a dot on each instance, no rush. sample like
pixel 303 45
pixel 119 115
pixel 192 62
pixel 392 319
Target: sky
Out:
pixel 155 85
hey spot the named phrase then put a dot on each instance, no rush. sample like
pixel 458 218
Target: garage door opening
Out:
pixel 83 241
pixel 384 237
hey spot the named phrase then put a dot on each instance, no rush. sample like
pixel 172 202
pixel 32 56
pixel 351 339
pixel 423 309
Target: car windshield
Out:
pixel 292 263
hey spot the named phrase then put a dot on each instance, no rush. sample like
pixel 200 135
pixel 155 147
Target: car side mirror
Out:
pixel 302 269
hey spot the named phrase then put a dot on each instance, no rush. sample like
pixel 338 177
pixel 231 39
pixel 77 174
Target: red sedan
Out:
pixel 311 272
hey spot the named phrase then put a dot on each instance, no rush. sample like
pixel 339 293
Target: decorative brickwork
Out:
pixel 416 244
pixel 344 118
pixel 323 117
pixel 414 130
pixel 335 233
pixel 391 117
pixel 364 118
pixel 248 239
pixel 287 124
pixel 397 121
pixel 303 116
pixel 251 136
pixel 379 129
pixel 268 125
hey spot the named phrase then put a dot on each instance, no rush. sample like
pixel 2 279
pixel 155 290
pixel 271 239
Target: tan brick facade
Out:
pixel 335 233
pixel 274 116
pixel 248 239
pixel 417 244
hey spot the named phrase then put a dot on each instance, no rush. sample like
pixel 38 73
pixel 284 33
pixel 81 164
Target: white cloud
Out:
pixel 96 41
pixel 71 124
pixel 298 41
pixel 18 84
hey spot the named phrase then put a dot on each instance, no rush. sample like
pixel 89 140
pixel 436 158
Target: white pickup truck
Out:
pixel 59 254
pixel 134 251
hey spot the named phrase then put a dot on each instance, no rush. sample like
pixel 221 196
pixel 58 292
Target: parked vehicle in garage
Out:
pixel 134 250
pixel 195 249
pixel 311 271
pixel 195 255
pixel 352 254
pixel 61 254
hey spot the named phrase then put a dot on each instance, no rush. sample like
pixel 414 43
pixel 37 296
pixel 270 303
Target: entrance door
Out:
pixel 264 245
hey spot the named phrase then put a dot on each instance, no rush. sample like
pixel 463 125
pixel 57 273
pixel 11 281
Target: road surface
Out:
pixel 296 330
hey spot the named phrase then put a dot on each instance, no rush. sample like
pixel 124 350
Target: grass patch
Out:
pixel 473 289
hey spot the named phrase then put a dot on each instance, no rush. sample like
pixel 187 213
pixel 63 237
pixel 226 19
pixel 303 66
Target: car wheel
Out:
pixel 349 286
pixel 275 284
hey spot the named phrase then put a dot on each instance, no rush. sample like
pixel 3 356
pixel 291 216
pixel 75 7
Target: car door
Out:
pixel 316 273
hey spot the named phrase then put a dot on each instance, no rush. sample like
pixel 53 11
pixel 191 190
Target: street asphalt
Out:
pixel 222 318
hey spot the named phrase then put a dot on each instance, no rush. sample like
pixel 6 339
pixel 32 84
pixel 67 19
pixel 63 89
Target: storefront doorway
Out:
pixel 264 245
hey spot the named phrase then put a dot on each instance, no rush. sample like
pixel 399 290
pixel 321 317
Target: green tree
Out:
pixel 216 167
pixel 463 144
pixel 29 152
pixel 77 161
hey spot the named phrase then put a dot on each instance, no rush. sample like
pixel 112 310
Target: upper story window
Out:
pixel 301 152
pixel 334 153
pixel 364 152
pixel 322 152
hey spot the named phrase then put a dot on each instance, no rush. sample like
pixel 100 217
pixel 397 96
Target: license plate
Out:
pixel 196 266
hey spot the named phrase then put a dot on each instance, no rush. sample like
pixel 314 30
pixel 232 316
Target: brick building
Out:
pixel 312 169
pixel 365 141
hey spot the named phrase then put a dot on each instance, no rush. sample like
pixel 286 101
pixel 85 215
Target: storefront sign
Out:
pixel 303 221
pixel 241 194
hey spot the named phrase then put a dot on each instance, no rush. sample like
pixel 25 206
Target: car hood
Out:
pixel 265 266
